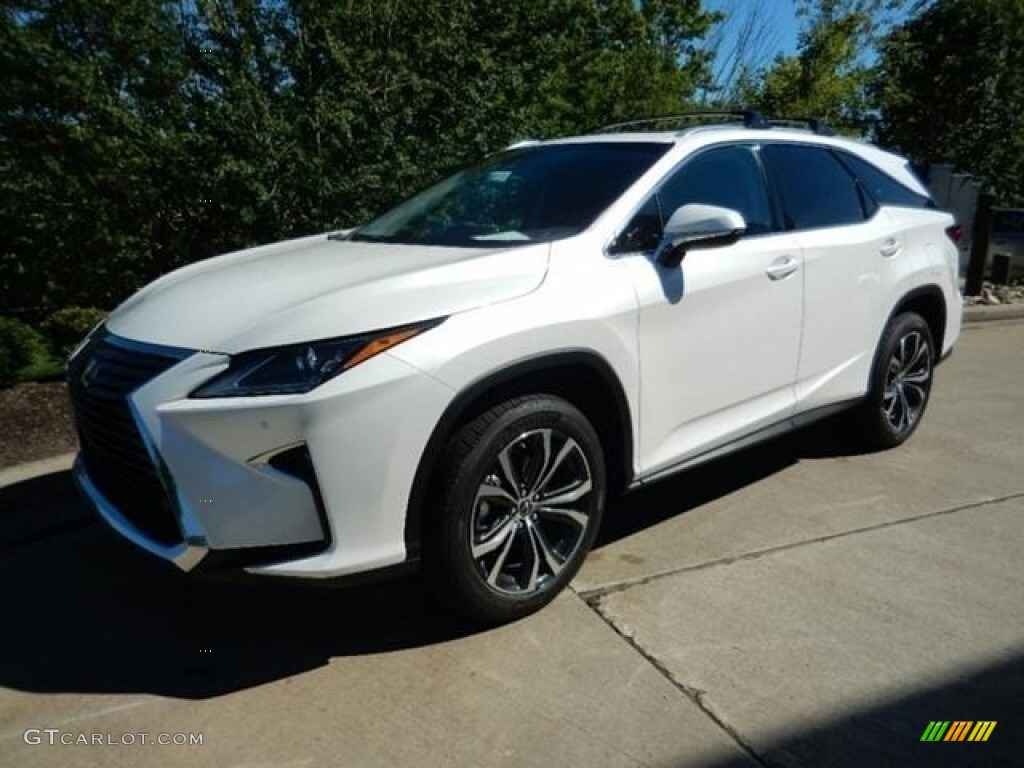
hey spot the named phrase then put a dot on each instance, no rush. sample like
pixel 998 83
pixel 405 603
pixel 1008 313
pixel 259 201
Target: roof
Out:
pixel 687 123
pixel 741 126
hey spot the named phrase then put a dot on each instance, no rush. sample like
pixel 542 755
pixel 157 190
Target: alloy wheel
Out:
pixel 907 382
pixel 531 511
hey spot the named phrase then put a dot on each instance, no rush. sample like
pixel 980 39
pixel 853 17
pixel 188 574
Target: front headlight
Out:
pixel 298 368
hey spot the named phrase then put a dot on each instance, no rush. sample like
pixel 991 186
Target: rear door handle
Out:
pixel 890 248
pixel 782 268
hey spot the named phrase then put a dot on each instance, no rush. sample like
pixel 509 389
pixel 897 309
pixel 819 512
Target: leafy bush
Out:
pixel 139 136
pixel 20 346
pixel 66 327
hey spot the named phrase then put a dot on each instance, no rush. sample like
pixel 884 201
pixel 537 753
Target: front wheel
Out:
pixel 521 495
pixel 901 383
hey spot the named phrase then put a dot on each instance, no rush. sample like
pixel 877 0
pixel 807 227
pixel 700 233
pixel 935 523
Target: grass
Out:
pixel 43 369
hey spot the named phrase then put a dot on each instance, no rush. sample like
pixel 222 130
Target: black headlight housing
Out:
pixel 298 368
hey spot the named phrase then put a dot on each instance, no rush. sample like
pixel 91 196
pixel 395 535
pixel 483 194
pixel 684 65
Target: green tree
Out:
pixel 830 74
pixel 140 135
pixel 620 59
pixel 951 88
pixel 91 125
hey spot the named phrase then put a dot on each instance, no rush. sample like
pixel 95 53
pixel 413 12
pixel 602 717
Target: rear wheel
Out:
pixel 901 383
pixel 521 496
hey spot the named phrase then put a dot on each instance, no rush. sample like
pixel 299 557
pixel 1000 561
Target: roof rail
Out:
pixel 522 143
pixel 749 118
pixel 810 123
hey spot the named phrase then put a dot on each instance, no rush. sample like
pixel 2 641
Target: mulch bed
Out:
pixel 35 422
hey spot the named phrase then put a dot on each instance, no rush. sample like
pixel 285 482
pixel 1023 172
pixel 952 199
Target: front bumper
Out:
pixel 186 555
pixel 311 485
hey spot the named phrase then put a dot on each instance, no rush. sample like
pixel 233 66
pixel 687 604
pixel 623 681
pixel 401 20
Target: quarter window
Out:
pixel 881 186
pixel 643 233
pixel 816 190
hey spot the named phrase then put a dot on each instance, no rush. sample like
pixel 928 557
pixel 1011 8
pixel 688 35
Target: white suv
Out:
pixel 462 383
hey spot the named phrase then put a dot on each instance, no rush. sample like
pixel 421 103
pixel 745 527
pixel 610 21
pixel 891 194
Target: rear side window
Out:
pixel 816 190
pixel 881 186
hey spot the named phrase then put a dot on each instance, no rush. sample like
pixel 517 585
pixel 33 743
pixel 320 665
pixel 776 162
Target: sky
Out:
pixel 782 14
pixel 783 24
pixel 777 31
pixel 772 23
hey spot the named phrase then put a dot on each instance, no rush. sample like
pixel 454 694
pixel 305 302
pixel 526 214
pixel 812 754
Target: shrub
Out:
pixel 20 346
pixel 66 327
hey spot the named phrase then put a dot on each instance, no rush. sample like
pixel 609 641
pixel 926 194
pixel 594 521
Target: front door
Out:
pixel 720 334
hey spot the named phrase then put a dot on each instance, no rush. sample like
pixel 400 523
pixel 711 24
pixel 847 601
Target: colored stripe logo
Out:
pixel 958 730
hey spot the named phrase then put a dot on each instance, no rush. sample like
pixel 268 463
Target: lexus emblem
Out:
pixel 89 373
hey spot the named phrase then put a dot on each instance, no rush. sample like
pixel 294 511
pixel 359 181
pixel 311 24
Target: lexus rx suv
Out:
pixel 461 384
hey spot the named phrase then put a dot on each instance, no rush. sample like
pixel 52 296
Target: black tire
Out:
pixel 482 516
pixel 901 383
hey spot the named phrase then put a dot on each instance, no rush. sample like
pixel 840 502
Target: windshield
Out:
pixel 525 195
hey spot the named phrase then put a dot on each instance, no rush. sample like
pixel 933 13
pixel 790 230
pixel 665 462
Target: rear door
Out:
pixel 849 246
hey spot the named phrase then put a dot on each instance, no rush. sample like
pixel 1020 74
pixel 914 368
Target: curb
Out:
pixel 992 314
pixel 21 472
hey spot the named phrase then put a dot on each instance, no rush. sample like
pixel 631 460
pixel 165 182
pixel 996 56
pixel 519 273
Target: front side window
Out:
pixel 729 177
pixel 816 190
pixel 526 195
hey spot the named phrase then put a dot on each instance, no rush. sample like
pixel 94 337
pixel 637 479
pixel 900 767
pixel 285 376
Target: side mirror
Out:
pixel 698 226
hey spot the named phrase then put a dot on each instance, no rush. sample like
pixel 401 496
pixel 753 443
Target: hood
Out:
pixel 315 288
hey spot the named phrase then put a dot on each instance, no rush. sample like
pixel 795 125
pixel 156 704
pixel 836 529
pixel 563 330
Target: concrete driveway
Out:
pixel 792 605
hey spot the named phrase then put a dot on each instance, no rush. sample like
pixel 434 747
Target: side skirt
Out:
pixel 799 421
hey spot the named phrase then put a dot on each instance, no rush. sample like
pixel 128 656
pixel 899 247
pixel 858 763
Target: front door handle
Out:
pixel 782 268
pixel 890 248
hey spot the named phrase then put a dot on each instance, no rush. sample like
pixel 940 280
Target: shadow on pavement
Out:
pixel 39 507
pixel 889 733
pixel 86 612
pixel 680 493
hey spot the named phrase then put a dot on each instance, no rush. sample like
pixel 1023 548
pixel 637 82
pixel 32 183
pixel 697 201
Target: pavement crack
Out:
pixel 590 595
pixel 694 694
